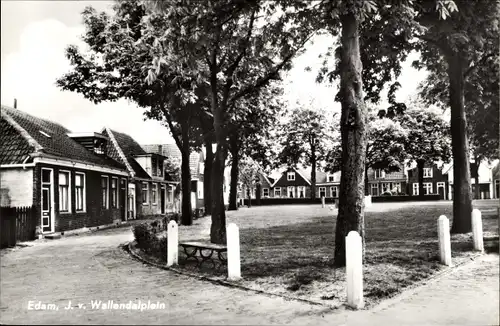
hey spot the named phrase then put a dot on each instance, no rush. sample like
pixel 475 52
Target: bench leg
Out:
pixel 192 255
pixel 205 258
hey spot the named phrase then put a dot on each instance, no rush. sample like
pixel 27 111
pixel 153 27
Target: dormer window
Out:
pixel 379 174
pixel 290 176
pixel 45 134
pixel 99 146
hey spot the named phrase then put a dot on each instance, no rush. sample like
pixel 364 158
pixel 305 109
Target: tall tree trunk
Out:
pixel 258 190
pixel 186 211
pixel 462 196
pixel 354 139
pixel 313 172
pixel 218 227
pixel 207 177
pixel 249 196
pixel 420 171
pixel 233 191
pixel 367 185
pixel 476 177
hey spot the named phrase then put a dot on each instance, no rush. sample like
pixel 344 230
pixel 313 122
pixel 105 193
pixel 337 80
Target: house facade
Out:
pixel 150 193
pixel 488 180
pixel 196 165
pixel 435 181
pixel 69 180
pixel 291 184
pixel 380 182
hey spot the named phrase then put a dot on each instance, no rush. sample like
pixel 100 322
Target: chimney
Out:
pixel 15 103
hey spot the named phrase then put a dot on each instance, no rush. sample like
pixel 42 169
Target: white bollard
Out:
pixel 444 240
pixel 354 270
pixel 172 243
pixel 368 201
pixel 477 230
pixel 233 252
pixel 322 202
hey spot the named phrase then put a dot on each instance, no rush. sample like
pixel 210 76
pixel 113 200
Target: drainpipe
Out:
pixel 24 162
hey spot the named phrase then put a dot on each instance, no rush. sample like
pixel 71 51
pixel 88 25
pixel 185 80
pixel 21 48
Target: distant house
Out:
pixel 380 182
pixel 196 164
pixel 265 188
pixel 70 179
pixel 150 193
pixel 327 184
pixel 435 181
pixel 291 184
pixel 488 179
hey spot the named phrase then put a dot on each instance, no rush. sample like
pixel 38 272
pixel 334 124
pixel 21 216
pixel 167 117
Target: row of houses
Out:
pixel 438 180
pixel 77 180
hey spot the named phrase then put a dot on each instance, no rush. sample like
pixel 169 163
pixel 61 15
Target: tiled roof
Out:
pixel 44 137
pixel 321 177
pixel 172 151
pixel 129 147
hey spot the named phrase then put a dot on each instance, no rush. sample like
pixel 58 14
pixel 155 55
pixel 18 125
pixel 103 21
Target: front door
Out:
pixel 123 199
pixel 47 218
pixel 162 199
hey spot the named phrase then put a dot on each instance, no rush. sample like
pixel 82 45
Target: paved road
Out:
pixel 93 267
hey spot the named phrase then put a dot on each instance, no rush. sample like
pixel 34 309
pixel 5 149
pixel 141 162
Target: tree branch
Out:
pixel 479 63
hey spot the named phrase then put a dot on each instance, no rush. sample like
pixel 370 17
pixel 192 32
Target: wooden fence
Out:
pixel 17 224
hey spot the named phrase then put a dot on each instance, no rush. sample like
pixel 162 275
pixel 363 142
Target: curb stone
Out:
pixel 130 249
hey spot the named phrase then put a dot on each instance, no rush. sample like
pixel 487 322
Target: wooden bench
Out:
pixel 206 251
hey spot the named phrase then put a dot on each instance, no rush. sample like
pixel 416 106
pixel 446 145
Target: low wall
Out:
pixel 331 201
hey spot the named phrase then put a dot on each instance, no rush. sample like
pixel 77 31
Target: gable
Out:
pixel 299 179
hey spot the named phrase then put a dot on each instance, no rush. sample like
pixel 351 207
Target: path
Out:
pixel 93 267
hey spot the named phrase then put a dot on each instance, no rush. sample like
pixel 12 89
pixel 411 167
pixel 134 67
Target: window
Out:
pixel 154 191
pixel 415 189
pixel 170 197
pixel 386 186
pixel 301 192
pixel 64 194
pixel 290 176
pixel 379 174
pixel 104 192
pixel 265 192
pixel 331 178
pixel 277 192
pixel 334 191
pixel 427 172
pixel 396 186
pixel 80 192
pixel 428 188
pixel 145 193
pixel 291 192
pixel 322 192
pixel 114 192
pixel 374 189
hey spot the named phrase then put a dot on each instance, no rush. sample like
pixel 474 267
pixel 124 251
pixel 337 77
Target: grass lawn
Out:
pixel 288 250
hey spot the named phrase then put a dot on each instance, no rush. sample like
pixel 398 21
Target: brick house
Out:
pixel 196 165
pixel 150 193
pixel 266 188
pixel 291 184
pixel 379 182
pixel 327 184
pixel 435 181
pixel 68 178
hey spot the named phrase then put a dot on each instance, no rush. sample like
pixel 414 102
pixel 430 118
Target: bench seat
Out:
pixel 205 251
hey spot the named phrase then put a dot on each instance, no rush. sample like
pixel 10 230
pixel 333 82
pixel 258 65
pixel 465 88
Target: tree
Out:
pixel 481 94
pixel 462 43
pixel 248 176
pixel 113 69
pixel 173 168
pixel 304 140
pixel 428 138
pixel 233 49
pixel 249 132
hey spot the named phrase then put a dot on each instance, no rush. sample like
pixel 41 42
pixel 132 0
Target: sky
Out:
pixel 34 35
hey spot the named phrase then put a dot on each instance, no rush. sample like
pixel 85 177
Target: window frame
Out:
pixel 292 188
pixel 145 199
pixel 84 192
pixel 428 173
pixel 264 192
pixel 289 176
pixel 68 188
pixel 114 191
pixel 154 194
pixel 319 191
pixel 336 191
pixel 428 190
pixel 277 189
pixel 106 204
pixel 415 189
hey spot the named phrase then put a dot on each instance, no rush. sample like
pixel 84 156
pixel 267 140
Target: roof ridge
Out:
pixel 24 133
pixel 119 150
